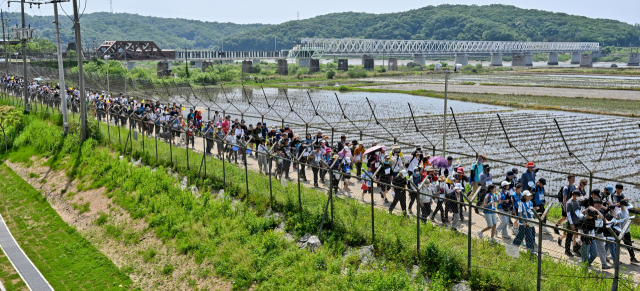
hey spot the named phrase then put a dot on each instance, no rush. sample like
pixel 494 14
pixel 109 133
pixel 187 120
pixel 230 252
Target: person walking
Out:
pixel 400 186
pixel 262 157
pixel 505 206
pixel 622 217
pixel 539 201
pixel 485 180
pixel 358 154
pixel 528 178
pixel 442 189
pixel 573 216
pixel 525 215
pixel 385 176
pixel 489 203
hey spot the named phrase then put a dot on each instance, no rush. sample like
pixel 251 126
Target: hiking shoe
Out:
pixel 546 231
pixel 410 211
pixel 606 267
pixel 555 230
pixel 506 236
pixel 578 254
pixel 386 201
pixel 560 241
pixel 569 254
pixel 633 260
pixel 479 234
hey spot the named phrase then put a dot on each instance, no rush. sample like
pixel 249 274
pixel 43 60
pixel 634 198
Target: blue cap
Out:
pixel 609 188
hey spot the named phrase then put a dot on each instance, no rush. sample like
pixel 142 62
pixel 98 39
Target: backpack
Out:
pixel 561 194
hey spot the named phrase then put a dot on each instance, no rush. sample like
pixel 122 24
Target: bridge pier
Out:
pixel 528 59
pixel 586 61
pixel 496 60
pixel 575 58
pixel 596 54
pixel 462 59
pixel 314 66
pixel 518 60
pixel 343 64
pixel 131 65
pixel 247 67
pixel 198 64
pixel 162 68
pixel 393 64
pixel 553 59
pixel 420 59
pixel 304 62
pixel 256 62
pixel 367 62
pixel 634 60
pixel 283 67
pixel 206 65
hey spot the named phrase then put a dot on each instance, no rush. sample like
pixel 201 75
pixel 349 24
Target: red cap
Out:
pixel 460 170
pixel 530 165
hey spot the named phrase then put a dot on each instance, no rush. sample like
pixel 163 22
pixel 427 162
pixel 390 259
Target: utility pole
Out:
pixel 444 128
pixel 63 91
pixel 83 97
pixel 25 92
pixel 4 40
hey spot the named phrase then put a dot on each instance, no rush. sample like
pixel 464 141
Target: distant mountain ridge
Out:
pixel 443 22
pixel 168 33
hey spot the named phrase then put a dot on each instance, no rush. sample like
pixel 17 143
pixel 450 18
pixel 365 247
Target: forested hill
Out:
pixel 168 33
pixel 444 22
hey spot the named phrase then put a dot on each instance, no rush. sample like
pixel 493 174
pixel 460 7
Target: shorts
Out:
pixel 564 213
pixel 346 177
pixel 491 219
pixel 384 187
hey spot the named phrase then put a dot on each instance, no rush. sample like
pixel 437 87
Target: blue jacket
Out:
pixel 538 193
pixel 528 176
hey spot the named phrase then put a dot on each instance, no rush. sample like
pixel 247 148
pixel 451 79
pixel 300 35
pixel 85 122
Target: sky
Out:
pixel 274 12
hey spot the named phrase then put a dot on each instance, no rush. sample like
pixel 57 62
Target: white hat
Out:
pixel 348 159
pixel 526 193
pixel 504 183
pixel 459 186
pixel 403 173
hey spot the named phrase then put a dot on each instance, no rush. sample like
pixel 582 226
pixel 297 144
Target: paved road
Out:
pixel 28 272
pixel 518 90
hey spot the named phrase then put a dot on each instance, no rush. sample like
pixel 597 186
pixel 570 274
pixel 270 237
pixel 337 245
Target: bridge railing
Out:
pixel 213 55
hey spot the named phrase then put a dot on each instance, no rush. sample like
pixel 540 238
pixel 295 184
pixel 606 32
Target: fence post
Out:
pixel 270 184
pixel 171 146
pixel 186 147
pixel 469 232
pixel 119 125
pixel 540 224
pixel 299 194
pixel 373 225
pixel 224 171
pixel 418 224
pixel 156 138
pixel 246 172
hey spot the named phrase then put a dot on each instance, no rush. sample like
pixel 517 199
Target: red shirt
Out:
pixel 225 127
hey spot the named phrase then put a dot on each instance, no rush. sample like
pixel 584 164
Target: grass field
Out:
pixel 65 259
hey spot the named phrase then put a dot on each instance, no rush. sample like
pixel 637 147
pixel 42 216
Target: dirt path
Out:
pixel 549 246
pixel 129 243
pixel 517 90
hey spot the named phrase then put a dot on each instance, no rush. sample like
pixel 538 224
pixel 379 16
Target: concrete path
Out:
pixel 25 268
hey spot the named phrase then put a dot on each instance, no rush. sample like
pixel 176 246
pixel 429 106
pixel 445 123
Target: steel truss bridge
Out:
pixel 229 55
pixel 316 47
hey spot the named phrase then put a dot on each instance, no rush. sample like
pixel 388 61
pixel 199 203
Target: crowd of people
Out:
pixel 430 182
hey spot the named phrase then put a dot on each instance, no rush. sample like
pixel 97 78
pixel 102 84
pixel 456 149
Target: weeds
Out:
pixel 81 208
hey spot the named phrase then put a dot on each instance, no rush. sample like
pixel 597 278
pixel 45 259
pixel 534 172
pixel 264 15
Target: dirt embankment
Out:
pixel 127 242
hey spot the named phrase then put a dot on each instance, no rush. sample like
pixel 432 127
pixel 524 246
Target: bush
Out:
pixel 358 73
pixel 331 74
pixel 257 69
pixel 381 69
pixel 167 269
pixel 468 67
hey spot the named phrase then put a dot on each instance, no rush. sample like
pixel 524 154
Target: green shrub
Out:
pixel 331 74
pixel 102 219
pixel 167 269
pixel 358 72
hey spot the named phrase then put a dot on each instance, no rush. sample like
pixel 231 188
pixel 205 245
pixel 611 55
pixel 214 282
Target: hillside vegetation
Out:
pixel 446 22
pixel 168 33
pixel 443 22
